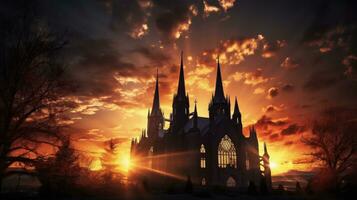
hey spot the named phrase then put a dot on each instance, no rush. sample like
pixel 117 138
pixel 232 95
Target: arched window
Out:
pixel 227 155
pixel 231 182
pixel 203 156
pixel 203 182
pixel 202 149
pixel 150 154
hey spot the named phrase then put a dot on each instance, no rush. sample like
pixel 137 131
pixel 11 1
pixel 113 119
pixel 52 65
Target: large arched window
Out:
pixel 203 156
pixel 227 155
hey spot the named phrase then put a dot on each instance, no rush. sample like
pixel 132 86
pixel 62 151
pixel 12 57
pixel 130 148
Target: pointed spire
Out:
pixel 265 149
pixel 236 113
pixel 236 108
pixel 156 102
pixel 219 94
pixel 195 116
pixel 181 91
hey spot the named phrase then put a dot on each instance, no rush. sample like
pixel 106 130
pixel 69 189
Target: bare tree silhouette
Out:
pixel 30 87
pixel 333 143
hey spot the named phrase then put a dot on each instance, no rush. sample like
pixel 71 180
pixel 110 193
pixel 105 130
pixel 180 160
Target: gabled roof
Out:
pixel 202 124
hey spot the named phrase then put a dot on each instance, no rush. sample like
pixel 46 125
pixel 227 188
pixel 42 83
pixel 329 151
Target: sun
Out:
pixel 125 163
pixel 273 165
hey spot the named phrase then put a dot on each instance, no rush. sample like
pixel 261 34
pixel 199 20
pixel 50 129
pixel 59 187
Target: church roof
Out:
pixel 202 124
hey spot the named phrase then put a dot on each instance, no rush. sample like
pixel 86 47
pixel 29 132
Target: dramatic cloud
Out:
pixel 249 78
pixel 226 4
pixel 174 17
pixel 289 63
pixel 293 129
pixel 130 16
pixel 155 56
pixel 208 9
pixel 332 28
pixel 266 121
pixel 232 51
pixel 287 88
pixel 273 92
pixel 321 80
pixel 272 108
pixel 270 49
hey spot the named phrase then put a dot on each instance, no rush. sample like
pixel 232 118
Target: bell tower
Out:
pixel 155 117
pixel 219 105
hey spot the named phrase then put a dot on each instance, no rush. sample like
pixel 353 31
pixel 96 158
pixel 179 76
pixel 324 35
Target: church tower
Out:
pixel 155 117
pixel 180 105
pixel 219 105
pixel 237 117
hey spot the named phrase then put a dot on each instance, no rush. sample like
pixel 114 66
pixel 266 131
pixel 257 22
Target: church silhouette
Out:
pixel 210 151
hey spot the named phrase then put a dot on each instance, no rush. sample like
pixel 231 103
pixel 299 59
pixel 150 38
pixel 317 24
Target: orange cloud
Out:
pixel 226 4
pixel 249 78
pixel 207 9
pixel 289 63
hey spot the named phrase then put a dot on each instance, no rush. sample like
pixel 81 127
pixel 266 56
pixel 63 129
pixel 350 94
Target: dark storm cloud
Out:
pixel 334 25
pixel 322 79
pixel 274 137
pixel 171 15
pixel 287 88
pixel 266 121
pixel 130 16
pixel 273 92
pixel 293 129
pixel 155 56
pixel 97 62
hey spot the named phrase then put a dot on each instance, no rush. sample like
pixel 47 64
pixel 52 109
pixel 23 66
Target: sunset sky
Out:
pixel 283 60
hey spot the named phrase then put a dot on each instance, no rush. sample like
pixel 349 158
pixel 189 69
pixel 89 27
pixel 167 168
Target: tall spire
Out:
pixel 195 116
pixel 265 150
pixel 156 102
pixel 219 94
pixel 181 91
pixel 236 113
pixel 236 108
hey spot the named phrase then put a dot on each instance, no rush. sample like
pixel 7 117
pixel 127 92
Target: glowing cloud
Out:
pixel 226 4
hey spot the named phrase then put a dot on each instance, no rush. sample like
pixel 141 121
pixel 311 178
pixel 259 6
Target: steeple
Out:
pixel 181 91
pixel 195 117
pixel 219 94
pixel 236 113
pixel 265 150
pixel 155 117
pixel 156 102
pixel 180 104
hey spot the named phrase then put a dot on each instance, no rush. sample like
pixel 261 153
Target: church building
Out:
pixel 210 151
